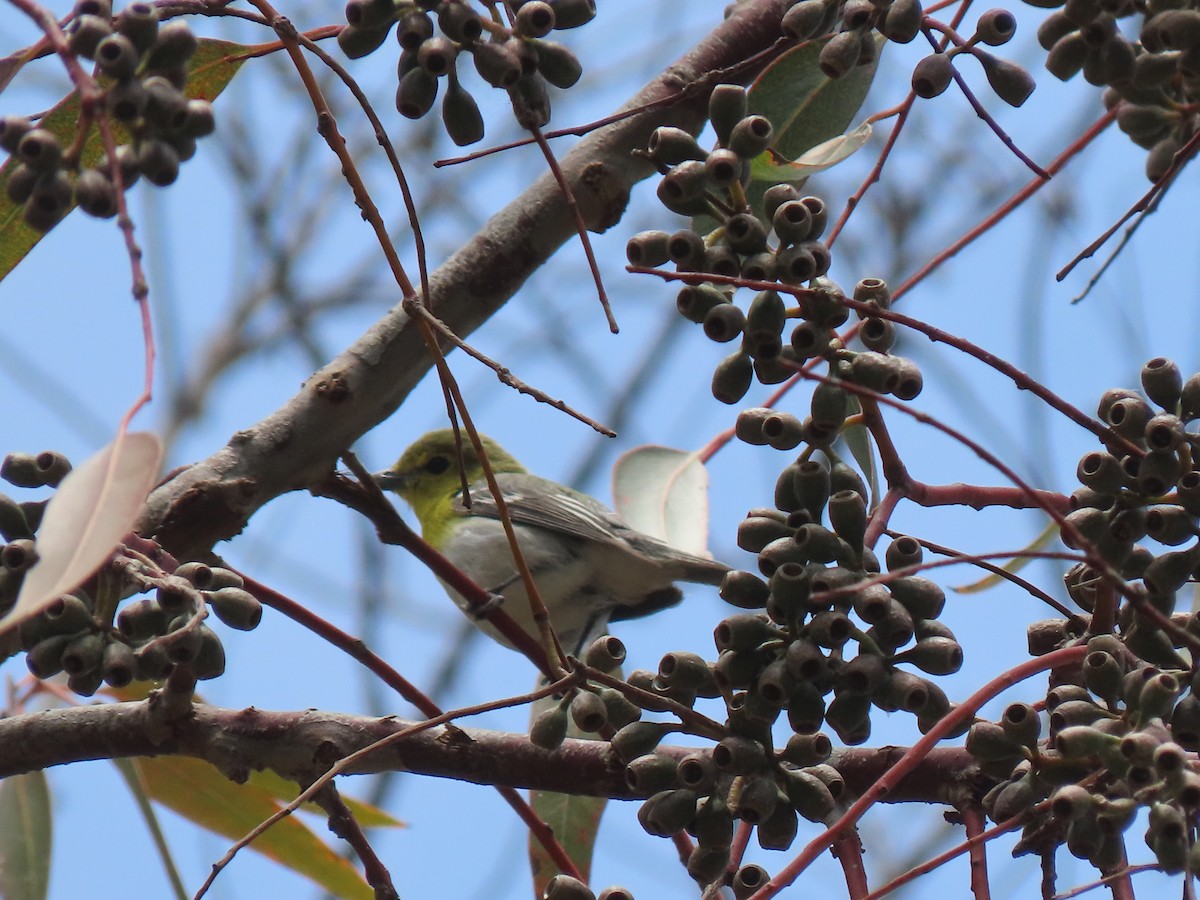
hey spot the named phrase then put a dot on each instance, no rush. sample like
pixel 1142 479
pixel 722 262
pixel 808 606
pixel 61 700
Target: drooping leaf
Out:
pixel 94 507
pixel 201 794
pixel 25 837
pixel 862 448
pixel 285 791
pixel 133 780
pixel 574 819
pixel 1014 565
pixel 663 492
pixel 773 167
pixel 211 68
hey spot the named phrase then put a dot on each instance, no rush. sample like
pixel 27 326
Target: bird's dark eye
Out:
pixel 437 465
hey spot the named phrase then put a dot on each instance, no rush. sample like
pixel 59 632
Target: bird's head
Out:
pixel 429 471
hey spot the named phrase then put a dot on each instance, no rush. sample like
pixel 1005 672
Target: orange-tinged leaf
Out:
pixel 94 507
pixel 285 791
pixel 25 835
pixel 201 794
pixel 211 68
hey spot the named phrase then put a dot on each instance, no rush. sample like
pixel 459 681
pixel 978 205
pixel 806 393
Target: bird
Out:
pixel 589 565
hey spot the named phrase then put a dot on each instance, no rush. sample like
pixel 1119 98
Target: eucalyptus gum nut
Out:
pixel 775 196
pixel 116 56
pixel 19 556
pixel 566 887
pixel 1066 58
pixel 778 830
pixel 83 654
pixel 746 234
pixel 822 259
pixel 707 865
pixel 840 54
pixel 1164 432
pixel 1021 723
pixel 806 708
pixel 21 183
pixel 988 742
pixel 1158 472
pixel 766 312
pixel 902 21
pixel 995 27
pixel 818 544
pixel 558 64
pixel 1010 82
pixel 1187 490
pixel 720 259
pixel 534 19
pixel 48 202
pixel 1170 525
pixel 877 334
pixel 1185 722
pixel 759 266
pixel 44 658
pixel 727 105
pixel 792 221
pixel 686 249
pixel 651 773
pixel 754 533
pixel 415 28
pixel 530 101
pixel 1014 798
pixel 671 146
pixel 934 656
pixel 873 603
pixel 126 100
pixel 1101 472
pixel 809 341
pixel 774 686
pixel 806 661
pixel 736 755
pixel 12 129
pixel 902 552
pixel 830 629
pixel 732 377
pixel 118 664
pixel 847 715
pixel 795 265
pixel 783 431
pixel 724 322
pixel 1055 26
pixel 679 669
pixel 436 56
pixel 85 33
pixel 713 824
pixel 40 150
pixel 158 162
pixel 804 19
pixel 848 516
pixel 743 632
pixel 1151 70
pixel 1146 123
pixel 829 405
pixel 588 712
pixel 864 675
pixel 639 738
pixel 153 663
pixel 724 167
pixel 910 382
pixel 747 880
pixel 1103 675
pixel 572 13
pixel 932 75
pixel 650 249
pixel 751 136
pixel 806 750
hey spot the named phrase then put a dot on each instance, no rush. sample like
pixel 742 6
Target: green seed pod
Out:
pixel 460 114
pixel 806 750
pixel 775 196
pixel 686 250
pixel 416 93
pixel 671 146
pixel 158 162
pixel 436 56
pixel 1075 712
pixel 237 608
pixel 588 712
pixel 1185 722
pixel 1103 675
pixel 459 22
pixel 830 629
pixel 605 653
pixel 995 27
pixel 139 22
pixel 830 404
pixel 903 691
pixel 713 823
pixel 370 14
pixel 902 21
pixel 40 151
pixel 44 659
pixel 1056 25
pixel 85 33
pixel 723 323
pixel 1170 525
pixel 13 524
pixel 932 75
pixel 697 772
pixel 791 584
pixel 1021 724
pixel 745 234
pixel 359 41
pixel 1067 57
pixel 989 742
pixel 1157 697
pixel 1168 837
pixel 809 341
pixel 811 484
pixel 495 63
pixel 1101 472
pixel 573 13
pixel 744 590
pixel 116 56
pixel 751 136
pixel 1161 158
pixel 12 129
pixel 849 715
pixel 1015 798
pixel 153 663
pixel 118 665
pixel 649 248
pixel 726 107
pixel 558 65
pixel 759 266
pixel 809 794
pixel 792 221
pixel 804 20
pixel 848 516
pixel 414 29
pixel 748 428
pixel 863 675
pixel 732 377
pixel 19 556
pixel 173 47
pixel 83 654
pixel 639 738
pixel 778 830
pixel 142 620
pixel 182 641
pixel 795 265
pixel 736 755
pixel 756 800
pixel 1163 433
pixel 719 259
pixel 684 670
pixel 877 334
pixel 818 544
pixel 840 54
pixel 806 708
pixel 910 381
pixel 126 100
pixel 1170 571
pixel 934 656
pixel 535 19
pixel 706 866
pixel 874 371
pixel 902 553
pixel 564 887
pixel 783 431
pixel 21 183
pixel 751 877
pixel 1070 801
pixel 651 773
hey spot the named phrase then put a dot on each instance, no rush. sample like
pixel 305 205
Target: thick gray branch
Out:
pixel 303 745
pixel 298 443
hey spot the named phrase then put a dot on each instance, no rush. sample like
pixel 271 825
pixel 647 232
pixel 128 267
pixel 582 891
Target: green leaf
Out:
pixel 858 440
pixel 146 808
pixel 575 821
pixel 25 836
pixel 201 794
pixel 1013 566
pixel 774 168
pixel 211 68
pixel 285 791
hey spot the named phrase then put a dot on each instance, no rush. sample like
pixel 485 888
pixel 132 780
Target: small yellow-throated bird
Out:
pixel 589 565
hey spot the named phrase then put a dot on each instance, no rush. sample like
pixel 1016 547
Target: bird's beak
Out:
pixel 388 481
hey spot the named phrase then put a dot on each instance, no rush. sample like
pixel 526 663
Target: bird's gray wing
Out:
pixel 544 504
